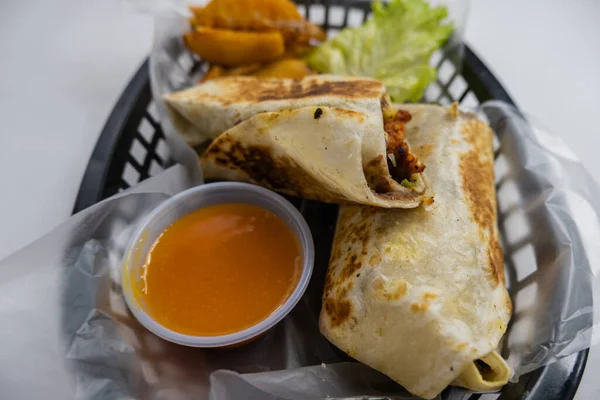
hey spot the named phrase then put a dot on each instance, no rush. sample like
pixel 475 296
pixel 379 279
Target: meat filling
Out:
pixel 401 162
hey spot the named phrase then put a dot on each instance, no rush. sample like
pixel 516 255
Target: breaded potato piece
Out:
pixel 244 69
pixel 233 48
pixel 214 71
pixel 257 15
pixel 245 14
pixel 288 68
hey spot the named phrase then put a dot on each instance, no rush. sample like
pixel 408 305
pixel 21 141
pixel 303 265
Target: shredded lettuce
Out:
pixel 394 46
pixel 407 183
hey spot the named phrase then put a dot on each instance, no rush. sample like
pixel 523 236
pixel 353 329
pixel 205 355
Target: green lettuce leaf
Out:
pixel 394 46
pixel 407 183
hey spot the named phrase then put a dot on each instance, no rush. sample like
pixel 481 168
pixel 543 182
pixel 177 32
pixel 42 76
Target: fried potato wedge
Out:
pixel 245 14
pixel 288 68
pixel 257 15
pixel 233 48
pixel 244 70
pixel 214 71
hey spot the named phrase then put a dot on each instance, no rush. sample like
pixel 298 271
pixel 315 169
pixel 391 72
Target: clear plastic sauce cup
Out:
pixel 191 200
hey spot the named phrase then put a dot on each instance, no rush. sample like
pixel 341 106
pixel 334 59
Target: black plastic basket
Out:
pixel 132 148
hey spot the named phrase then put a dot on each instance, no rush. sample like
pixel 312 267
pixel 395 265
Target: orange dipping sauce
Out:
pixel 221 269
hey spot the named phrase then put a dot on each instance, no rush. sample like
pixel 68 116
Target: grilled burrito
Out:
pixel 328 138
pixel 420 294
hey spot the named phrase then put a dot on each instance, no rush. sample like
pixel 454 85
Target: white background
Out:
pixel 63 64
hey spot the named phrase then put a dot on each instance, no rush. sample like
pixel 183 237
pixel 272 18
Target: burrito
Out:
pixel 328 138
pixel 420 294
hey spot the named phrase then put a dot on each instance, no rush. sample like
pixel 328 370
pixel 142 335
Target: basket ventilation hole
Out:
pixel 155 168
pixel 146 130
pixel 508 194
pixel 331 33
pixel 470 101
pixel 355 17
pixel 336 16
pixel 162 150
pixel 446 71
pixel 317 14
pixel 524 261
pixel 130 175
pixel 137 151
pixel 302 10
pixel 444 100
pixel 525 298
pixel 457 87
pixel 152 111
pixel 501 169
pixel 185 61
pixel 432 92
pixel 436 57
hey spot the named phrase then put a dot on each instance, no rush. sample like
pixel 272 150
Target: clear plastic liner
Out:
pixel 548 217
pixel 67 333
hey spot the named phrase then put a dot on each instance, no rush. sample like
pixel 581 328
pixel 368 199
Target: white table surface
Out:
pixel 64 63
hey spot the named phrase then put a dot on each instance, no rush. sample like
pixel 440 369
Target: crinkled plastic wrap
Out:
pixel 66 331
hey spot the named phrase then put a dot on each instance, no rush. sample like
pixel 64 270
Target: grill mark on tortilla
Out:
pixel 399 291
pixel 328 285
pixel 356 115
pixel 338 307
pixel 335 303
pixel 419 308
pixel 259 163
pixel 429 296
pixel 351 265
pixel 339 311
pixel 496 259
pixel 374 260
pixel 352 89
pixel 247 89
pixel 394 290
pixel 359 232
pixel 477 174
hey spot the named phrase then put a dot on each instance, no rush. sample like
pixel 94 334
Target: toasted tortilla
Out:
pixel 420 294
pixel 311 152
pixel 205 111
pixel 298 136
pixel 488 373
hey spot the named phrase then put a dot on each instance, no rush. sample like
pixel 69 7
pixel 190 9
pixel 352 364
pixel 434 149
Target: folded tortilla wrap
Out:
pixel 299 137
pixel 206 110
pixel 419 294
